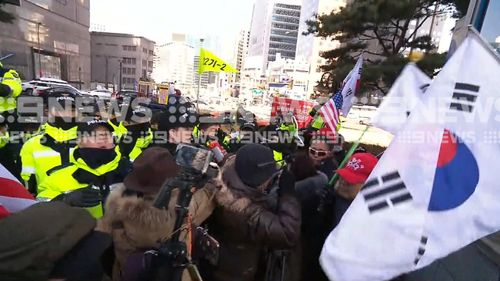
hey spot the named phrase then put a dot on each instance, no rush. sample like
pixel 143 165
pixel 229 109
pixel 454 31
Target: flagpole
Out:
pixel 473 30
pixel 199 78
pixel 335 177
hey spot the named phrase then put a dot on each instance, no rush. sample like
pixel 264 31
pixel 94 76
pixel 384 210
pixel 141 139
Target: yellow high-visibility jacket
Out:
pixel 63 181
pixel 37 157
pixel 11 79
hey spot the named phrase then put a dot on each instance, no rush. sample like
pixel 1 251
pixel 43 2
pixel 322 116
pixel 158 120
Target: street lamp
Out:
pixel 106 74
pixel 121 74
pixel 38 24
pixel 199 80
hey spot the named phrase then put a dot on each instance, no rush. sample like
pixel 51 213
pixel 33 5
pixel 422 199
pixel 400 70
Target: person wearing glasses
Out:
pixel 321 152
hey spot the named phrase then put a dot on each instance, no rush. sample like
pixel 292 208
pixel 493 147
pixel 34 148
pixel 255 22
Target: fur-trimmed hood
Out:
pixel 138 212
pixel 137 225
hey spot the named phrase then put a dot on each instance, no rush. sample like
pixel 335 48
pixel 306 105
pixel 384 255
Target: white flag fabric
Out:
pixel 13 196
pixel 351 86
pixel 436 188
pixel 406 93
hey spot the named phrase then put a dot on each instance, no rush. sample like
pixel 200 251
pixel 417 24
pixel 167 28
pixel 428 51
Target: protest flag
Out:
pixel 429 197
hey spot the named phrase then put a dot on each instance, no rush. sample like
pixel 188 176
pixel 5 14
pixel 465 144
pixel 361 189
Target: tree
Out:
pixel 381 29
pixel 5 17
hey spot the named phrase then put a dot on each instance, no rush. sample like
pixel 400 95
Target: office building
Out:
pixel 48 39
pixel 438 27
pixel 253 74
pixel 175 63
pixel 319 45
pixel 305 42
pixel 274 29
pixel 288 76
pixel 135 53
pixel 483 15
pixel 241 52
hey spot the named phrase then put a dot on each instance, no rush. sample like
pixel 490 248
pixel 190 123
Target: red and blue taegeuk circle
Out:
pixel 457 174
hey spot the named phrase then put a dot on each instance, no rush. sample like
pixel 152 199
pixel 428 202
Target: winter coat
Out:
pixel 34 239
pixel 340 206
pixel 248 223
pixel 138 226
pixel 313 232
pixel 328 167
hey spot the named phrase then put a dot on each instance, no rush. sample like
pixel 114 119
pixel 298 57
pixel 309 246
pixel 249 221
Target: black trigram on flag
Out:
pixel 464 97
pixel 386 191
pixel 421 249
pixel 349 92
pixel 424 87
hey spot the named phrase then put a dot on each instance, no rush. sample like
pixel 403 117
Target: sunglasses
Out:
pixel 318 153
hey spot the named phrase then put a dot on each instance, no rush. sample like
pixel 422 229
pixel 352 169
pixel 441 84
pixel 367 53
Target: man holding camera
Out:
pixel 137 225
pixel 250 219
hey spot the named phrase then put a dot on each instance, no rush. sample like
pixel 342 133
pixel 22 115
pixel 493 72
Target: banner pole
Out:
pixel 199 78
pixel 198 93
pixel 335 177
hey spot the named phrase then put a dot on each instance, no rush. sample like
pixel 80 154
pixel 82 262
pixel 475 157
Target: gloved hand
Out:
pixel 83 197
pixel 286 183
pixel 327 194
pixel 326 198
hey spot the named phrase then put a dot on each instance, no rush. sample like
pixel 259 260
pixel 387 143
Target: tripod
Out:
pixel 171 259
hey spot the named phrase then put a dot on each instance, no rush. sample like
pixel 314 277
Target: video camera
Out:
pixel 193 159
pixel 170 260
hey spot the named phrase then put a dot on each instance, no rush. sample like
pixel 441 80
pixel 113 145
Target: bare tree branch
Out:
pixel 381 41
pixel 417 28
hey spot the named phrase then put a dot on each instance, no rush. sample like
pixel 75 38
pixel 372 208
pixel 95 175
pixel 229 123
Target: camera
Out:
pixel 193 159
pixel 170 259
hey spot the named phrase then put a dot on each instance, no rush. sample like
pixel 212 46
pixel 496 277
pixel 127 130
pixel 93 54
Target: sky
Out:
pixel 157 19
pixel 491 25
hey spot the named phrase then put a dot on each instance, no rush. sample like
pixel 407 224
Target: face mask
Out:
pixel 63 123
pixel 138 130
pixel 96 157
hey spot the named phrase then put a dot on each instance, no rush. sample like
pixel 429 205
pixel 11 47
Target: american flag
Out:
pixel 13 196
pixel 330 111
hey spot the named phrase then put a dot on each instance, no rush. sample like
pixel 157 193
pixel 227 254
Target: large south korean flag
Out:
pixel 437 187
pixel 406 93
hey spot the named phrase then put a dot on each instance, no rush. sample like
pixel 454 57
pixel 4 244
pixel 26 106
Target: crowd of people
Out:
pixel 113 165
pixel 96 185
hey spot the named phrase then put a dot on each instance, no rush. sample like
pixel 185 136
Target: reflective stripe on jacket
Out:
pixel 11 79
pixel 63 181
pixel 37 157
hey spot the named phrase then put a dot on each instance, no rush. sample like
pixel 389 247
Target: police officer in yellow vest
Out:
pixel 96 165
pixel 52 148
pixel 138 135
pixel 114 118
pixel 10 89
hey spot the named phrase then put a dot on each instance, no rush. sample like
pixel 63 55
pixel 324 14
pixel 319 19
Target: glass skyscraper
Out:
pixel 51 34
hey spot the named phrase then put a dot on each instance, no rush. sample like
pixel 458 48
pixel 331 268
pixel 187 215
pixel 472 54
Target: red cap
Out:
pixel 359 168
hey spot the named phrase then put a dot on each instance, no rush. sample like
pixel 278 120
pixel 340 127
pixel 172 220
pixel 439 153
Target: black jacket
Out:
pixel 313 232
pixel 328 167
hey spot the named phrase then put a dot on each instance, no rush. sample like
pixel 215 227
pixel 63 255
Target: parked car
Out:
pixel 101 93
pixel 126 93
pixel 35 87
